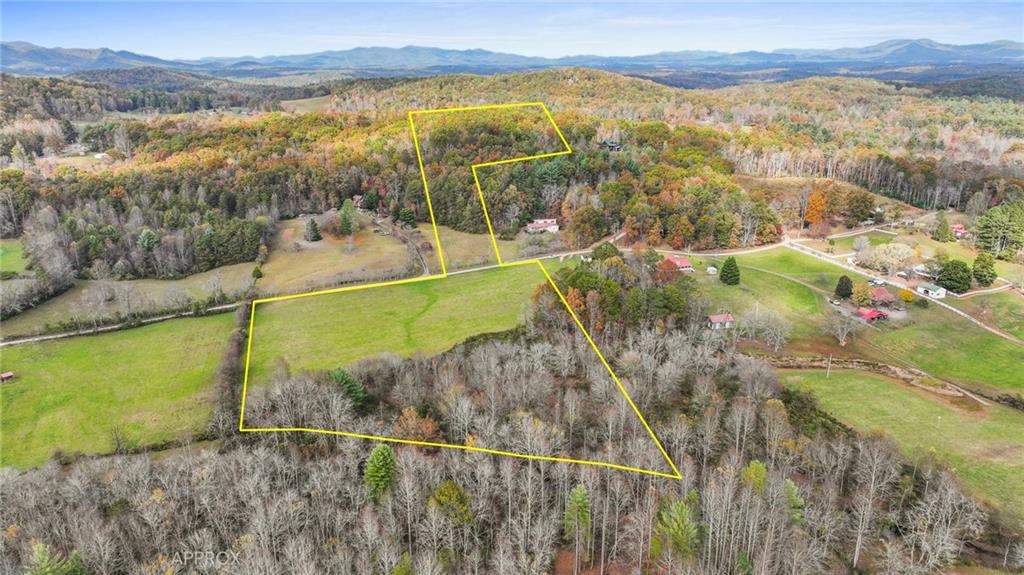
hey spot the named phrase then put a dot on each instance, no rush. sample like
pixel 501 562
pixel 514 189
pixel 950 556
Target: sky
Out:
pixel 189 30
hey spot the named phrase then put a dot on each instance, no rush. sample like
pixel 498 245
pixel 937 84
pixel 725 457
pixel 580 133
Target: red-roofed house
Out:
pixel 720 321
pixel 869 314
pixel 682 264
pixel 539 226
pixel 959 230
pixel 882 295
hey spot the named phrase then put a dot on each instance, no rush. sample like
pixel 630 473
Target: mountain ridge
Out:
pixel 26 58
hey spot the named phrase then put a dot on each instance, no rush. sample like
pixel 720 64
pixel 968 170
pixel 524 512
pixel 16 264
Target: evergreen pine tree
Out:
pixel 347 218
pixel 844 287
pixel 984 269
pixel 350 386
pixel 730 274
pixel 955 276
pixel 379 472
pixel 312 231
pixel 942 233
pixel 577 520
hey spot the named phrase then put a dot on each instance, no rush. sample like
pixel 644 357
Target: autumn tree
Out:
pixel 861 294
pixel 817 209
pixel 666 272
pixel 840 326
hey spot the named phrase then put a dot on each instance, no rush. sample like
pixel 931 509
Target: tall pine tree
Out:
pixel 730 274
pixel 379 472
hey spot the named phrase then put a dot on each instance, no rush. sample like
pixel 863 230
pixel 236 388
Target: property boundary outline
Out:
pixel 444 274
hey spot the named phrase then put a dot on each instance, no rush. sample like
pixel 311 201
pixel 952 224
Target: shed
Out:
pixel 932 290
pixel 712 270
pixel 7 376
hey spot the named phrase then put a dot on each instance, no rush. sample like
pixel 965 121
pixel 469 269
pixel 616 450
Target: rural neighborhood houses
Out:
pixel 542 225
pixel 682 264
pixel 931 290
pixel 720 321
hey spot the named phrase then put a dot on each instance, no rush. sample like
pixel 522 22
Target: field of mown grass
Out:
pixel 464 250
pixel 1004 310
pixel 12 256
pixel 153 383
pixel 427 317
pixel 845 245
pixel 926 340
pixel 984 445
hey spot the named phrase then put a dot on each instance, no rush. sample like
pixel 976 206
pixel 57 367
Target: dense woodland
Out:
pixel 770 484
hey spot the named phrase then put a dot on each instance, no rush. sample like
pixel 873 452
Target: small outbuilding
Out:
pixel 542 225
pixel 610 145
pixel 959 230
pixel 870 314
pixel 932 291
pixel 7 376
pixel 720 321
pixel 712 270
pixel 682 264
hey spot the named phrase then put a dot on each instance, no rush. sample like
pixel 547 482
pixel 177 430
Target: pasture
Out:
pixel 984 445
pixel 152 384
pixel 425 317
pixel 12 256
pixel 464 250
pixel 1004 310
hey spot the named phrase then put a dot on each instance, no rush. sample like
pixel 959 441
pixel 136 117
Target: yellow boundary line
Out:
pixel 444 273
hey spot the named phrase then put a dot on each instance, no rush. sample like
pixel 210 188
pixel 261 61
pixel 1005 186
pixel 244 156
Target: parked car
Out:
pixel 835 301
pixel 876 282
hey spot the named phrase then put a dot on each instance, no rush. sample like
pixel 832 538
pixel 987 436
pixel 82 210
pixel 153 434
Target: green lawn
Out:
pixel 152 382
pixel 984 445
pixel 1004 310
pixel 464 250
pixel 427 317
pixel 845 245
pixel 972 357
pixel 12 256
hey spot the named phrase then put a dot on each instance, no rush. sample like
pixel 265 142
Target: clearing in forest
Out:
pixel 426 319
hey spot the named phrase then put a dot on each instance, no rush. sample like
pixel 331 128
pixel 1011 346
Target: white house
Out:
pixel 932 290
pixel 540 226
pixel 719 321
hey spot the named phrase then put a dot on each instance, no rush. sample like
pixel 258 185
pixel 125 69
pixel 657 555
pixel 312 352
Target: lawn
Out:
pixel 1004 310
pixel 948 346
pixel 12 256
pixel 984 445
pixel 465 250
pixel 153 383
pixel 427 317
pixel 844 245
pixel 328 262
pixel 962 250
pixel 975 357
pixel 307 105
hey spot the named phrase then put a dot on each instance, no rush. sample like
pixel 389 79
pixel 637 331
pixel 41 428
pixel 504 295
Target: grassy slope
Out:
pixel 12 256
pixel 977 358
pixel 152 382
pixel 985 445
pixel 464 250
pixel 1004 310
pixel 325 331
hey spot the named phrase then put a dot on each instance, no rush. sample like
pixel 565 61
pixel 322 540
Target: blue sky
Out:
pixel 196 29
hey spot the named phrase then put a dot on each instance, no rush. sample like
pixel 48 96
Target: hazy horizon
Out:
pixel 193 30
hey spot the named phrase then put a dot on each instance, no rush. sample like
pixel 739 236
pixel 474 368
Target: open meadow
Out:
pixel 151 384
pixel 1004 310
pixel 12 256
pixel 425 317
pixel 983 444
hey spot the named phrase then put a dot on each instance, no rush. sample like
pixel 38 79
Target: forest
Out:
pixel 770 483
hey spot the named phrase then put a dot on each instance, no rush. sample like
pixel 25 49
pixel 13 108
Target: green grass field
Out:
pixel 845 245
pixel 152 382
pixel 973 357
pixel 428 317
pixel 984 445
pixel 12 256
pixel 464 250
pixel 1004 310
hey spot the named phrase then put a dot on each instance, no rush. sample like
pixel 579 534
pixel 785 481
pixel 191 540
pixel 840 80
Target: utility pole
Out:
pixel 828 369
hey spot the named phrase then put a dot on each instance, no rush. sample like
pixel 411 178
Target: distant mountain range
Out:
pixel 30 59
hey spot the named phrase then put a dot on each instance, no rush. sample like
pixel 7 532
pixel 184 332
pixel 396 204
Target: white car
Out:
pixel 876 282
